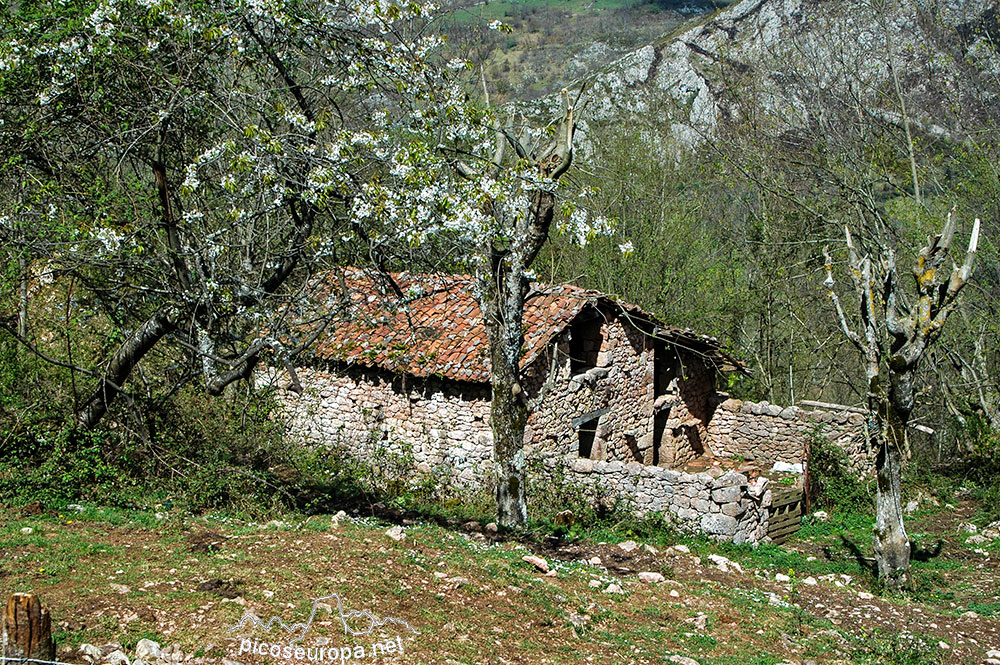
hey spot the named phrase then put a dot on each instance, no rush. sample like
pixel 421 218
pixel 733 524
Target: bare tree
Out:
pixel 895 333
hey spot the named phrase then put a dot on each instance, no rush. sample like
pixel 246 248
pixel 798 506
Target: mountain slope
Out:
pixel 788 58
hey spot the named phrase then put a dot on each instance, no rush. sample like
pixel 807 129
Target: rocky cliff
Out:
pixel 938 62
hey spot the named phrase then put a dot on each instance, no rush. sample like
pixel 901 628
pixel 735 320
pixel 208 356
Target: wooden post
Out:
pixel 27 629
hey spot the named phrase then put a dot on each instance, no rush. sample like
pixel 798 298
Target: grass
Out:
pixel 72 558
pixel 84 556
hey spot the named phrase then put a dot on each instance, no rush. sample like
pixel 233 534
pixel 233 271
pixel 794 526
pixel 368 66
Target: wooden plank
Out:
pixel 828 405
pixel 781 524
pixel 778 540
pixel 783 531
pixel 785 501
pixel 775 519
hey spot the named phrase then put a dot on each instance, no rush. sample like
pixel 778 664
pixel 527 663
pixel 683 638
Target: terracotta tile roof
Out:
pixel 435 328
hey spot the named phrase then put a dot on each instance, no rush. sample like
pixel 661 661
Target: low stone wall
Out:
pixel 726 506
pixel 768 434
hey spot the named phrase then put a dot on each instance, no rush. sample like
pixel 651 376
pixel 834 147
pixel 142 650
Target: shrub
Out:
pixel 831 483
pixel 201 453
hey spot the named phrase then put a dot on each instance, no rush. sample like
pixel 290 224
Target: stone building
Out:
pixel 627 402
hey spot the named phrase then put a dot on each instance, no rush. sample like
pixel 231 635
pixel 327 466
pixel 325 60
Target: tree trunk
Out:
pixel 891 544
pixel 22 312
pixel 502 309
pixel 508 415
pixel 27 629
pixel 121 366
pixel 890 541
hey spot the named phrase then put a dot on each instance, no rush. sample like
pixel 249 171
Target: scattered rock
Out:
pixel 912 506
pixel 651 550
pixel 724 564
pixel 821 516
pixel 552 573
pixel 148 650
pixel 683 549
pixel 976 539
pixel 117 657
pixel 651 577
pixel 492 528
pixel 674 593
pixel 120 588
pixel 579 620
pixel 699 622
pixel 472 526
pixel 275 524
pixel 537 561
pixel 990 532
pixel 968 527
pixel 864 595
pixel 614 588
pixel 89 652
pixel 594 583
pixel 682 660
pixel 396 533
pixel 75 507
pixel 27 531
pixel 810 581
pixel 628 546
pixel 781 577
pixel 944 646
pixel 595 561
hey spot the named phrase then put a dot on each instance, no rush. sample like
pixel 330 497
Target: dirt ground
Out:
pixel 454 595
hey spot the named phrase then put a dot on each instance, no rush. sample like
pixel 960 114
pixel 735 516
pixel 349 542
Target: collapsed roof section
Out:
pixel 431 325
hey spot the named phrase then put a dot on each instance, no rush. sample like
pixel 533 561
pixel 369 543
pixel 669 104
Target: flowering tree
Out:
pixel 486 193
pixel 187 165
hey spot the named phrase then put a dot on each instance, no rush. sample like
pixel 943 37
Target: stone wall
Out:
pixel 768 434
pixel 439 425
pixel 611 400
pixel 726 506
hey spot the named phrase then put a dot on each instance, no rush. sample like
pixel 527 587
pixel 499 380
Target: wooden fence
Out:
pixel 786 513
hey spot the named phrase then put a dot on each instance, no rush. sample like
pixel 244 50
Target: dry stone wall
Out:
pixel 436 425
pixel 767 434
pixel 726 506
pixel 613 398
